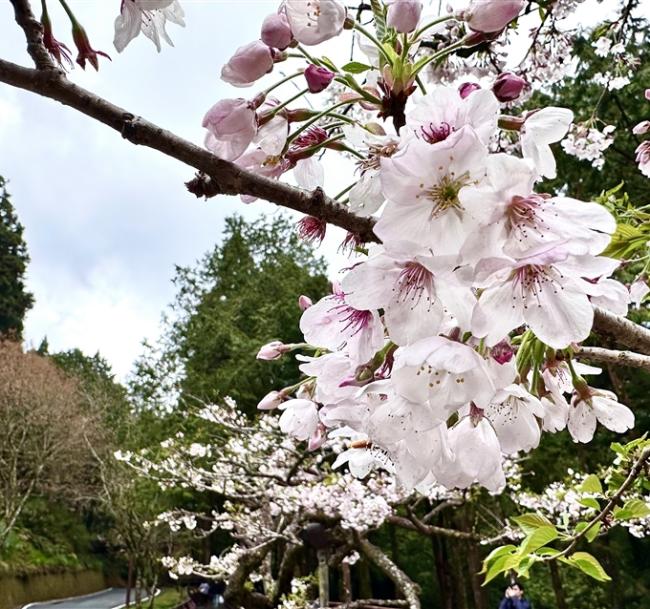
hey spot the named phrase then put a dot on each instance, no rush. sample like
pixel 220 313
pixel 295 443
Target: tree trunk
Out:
pixel 474 565
pixel 442 573
pixel 556 580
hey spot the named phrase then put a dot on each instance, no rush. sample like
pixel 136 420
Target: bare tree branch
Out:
pixel 599 355
pixel 403 582
pixel 33 34
pixel 622 331
pixel 224 177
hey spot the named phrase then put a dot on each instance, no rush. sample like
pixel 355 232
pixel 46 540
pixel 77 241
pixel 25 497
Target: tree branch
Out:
pixel 622 331
pixel 223 177
pixel 403 582
pixel 635 472
pixel 33 34
pixel 599 355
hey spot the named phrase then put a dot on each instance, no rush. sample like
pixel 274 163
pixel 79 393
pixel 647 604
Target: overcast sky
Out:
pixel 106 221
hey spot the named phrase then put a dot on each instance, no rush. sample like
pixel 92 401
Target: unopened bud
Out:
pixel 468 88
pixel 508 86
pixel 304 302
pixel 318 79
pixel 273 350
pixel 271 400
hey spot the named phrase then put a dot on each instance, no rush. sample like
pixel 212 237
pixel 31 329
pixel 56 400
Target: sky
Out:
pixel 105 221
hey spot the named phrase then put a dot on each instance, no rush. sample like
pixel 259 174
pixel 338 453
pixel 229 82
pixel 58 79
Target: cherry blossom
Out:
pixel 314 21
pixel 542 128
pixel 544 289
pixel 597 405
pixel 149 17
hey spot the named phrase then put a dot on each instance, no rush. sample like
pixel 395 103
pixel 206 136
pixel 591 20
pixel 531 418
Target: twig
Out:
pixel 635 471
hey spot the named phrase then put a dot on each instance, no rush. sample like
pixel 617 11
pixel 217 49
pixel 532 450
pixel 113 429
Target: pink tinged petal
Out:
pixel 299 419
pixel 409 320
pixel 492 15
pixel 404 15
pixel 582 422
pixel 369 285
pixel 249 63
pixel 612 414
pixel 498 311
pixel 315 21
pixel 276 31
pixel 638 291
pixel 608 294
pixel 560 315
pixel 548 125
pixel 556 414
pixel 272 136
pixel 366 196
pixel 309 173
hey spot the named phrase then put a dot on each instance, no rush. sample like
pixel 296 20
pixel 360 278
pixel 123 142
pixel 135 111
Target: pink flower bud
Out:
pixel 318 79
pixel 502 352
pixel 467 88
pixel 641 128
pixel 404 15
pixel 271 400
pixel 647 94
pixel 276 32
pixel 232 125
pixel 249 63
pixel 318 437
pixel 273 350
pixel 508 86
pixel 304 302
pixel 492 15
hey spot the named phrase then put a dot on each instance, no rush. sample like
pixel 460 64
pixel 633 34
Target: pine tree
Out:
pixel 15 300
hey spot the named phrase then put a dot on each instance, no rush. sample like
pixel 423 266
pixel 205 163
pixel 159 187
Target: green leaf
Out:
pixel 625 241
pixel 592 533
pixel 354 67
pixel 538 538
pixel 496 553
pixel 589 502
pixel 529 523
pixel 589 565
pixel 591 484
pixel 634 508
pixel 500 565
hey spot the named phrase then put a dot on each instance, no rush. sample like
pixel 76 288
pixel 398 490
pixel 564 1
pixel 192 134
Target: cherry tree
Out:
pixel 455 333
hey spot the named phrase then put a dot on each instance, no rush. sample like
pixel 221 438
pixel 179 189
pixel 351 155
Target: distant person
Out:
pixel 514 598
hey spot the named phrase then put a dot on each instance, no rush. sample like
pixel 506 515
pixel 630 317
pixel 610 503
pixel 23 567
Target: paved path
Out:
pixel 106 599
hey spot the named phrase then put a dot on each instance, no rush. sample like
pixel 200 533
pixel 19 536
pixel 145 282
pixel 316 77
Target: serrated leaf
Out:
pixel 634 508
pixel 529 523
pixel 355 67
pixel 496 553
pixel 500 565
pixel 588 565
pixel 589 502
pixel 538 538
pixel 591 484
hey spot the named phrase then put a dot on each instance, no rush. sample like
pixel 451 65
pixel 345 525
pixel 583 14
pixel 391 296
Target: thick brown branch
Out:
pixel 599 355
pixel 224 177
pixel 430 530
pixel 623 331
pixel 33 34
pixel 403 582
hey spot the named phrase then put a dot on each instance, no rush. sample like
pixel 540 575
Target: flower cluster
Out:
pixel 415 348
pixel 588 143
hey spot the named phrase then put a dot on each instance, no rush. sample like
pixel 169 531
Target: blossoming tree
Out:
pixel 454 334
